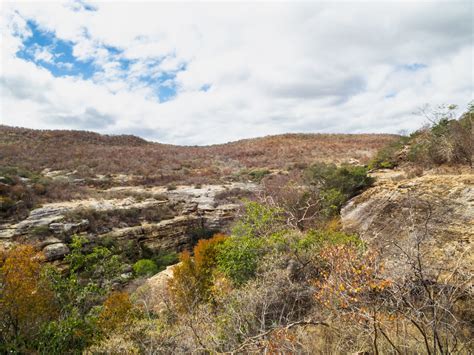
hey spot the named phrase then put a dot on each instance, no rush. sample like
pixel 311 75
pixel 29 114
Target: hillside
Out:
pixel 282 246
pixel 93 154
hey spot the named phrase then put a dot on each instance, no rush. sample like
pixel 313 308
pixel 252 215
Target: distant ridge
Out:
pixel 127 154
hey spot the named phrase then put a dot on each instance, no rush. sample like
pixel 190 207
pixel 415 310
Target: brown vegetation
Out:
pixel 90 154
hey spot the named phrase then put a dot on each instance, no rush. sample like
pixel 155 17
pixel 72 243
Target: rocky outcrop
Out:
pixel 175 234
pixel 434 212
pixel 154 292
pixel 190 212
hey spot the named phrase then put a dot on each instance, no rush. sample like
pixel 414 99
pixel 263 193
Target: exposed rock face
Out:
pixel 60 228
pixel 434 211
pixel 55 251
pixel 191 210
pixel 170 235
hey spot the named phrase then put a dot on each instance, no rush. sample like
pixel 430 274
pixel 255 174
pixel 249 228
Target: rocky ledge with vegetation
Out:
pixel 319 258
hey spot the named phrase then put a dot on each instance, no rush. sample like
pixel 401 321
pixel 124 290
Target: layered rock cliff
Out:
pixel 180 217
pixel 433 212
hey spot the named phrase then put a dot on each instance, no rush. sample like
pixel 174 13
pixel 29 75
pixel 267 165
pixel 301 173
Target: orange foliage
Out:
pixel 26 300
pixel 193 278
pixel 116 311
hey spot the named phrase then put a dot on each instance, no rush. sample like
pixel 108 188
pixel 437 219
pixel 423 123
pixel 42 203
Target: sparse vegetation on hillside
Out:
pixel 154 163
pixel 443 140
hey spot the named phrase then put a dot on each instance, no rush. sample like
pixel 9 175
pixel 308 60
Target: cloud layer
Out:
pixel 207 73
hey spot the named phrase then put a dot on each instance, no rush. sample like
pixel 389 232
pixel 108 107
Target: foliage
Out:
pixel 257 175
pixel 26 299
pixel 257 220
pixel 443 140
pixel 67 334
pixel 348 180
pixel 386 157
pixel 116 310
pixel 193 277
pixel 145 267
pixel 99 265
pixel 238 258
pixel 162 260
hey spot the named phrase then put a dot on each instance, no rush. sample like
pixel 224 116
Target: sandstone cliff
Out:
pixel 434 212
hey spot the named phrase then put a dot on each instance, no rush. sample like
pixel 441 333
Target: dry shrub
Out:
pixel 26 298
pixel 117 310
pixel 193 278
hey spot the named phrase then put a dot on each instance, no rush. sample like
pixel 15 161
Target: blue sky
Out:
pixel 214 72
pixel 46 50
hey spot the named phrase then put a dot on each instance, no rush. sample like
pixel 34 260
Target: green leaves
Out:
pixel 238 257
pixel 145 267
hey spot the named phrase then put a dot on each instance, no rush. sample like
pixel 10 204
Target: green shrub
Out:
pixel 145 267
pixel 331 202
pixel 257 220
pixel 349 180
pixel 257 175
pixel 162 260
pixel 171 187
pixel 386 157
pixel 322 238
pixel 70 334
pixel 238 258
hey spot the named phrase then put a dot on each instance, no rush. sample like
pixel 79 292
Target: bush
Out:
pixel 162 260
pixel 145 267
pixel 70 333
pixel 26 300
pixel 116 310
pixel 193 278
pixel 445 140
pixel 349 180
pixel 258 220
pixel 238 258
pixel 257 175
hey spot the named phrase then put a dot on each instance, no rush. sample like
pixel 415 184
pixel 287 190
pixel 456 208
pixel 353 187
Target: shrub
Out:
pixel 257 175
pixel 386 157
pixel 70 333
pixel 349 180
pixel 26 299
pixel 238 258
pixel 257 220
pixel 145 267
pixel 193 278
pixel 171 187
pixel 331 202
pixel 117 309
pixel 162 260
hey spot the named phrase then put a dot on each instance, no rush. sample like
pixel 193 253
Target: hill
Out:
pixel 91 153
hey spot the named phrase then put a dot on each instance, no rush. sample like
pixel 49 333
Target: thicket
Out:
pixel 443 140
pixel 50 311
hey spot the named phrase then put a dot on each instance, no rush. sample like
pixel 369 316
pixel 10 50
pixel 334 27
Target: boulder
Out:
pixel 55 251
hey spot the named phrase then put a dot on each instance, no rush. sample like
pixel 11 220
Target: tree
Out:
pixel 26 299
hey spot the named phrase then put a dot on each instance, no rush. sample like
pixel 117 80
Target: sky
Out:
pixel 200 73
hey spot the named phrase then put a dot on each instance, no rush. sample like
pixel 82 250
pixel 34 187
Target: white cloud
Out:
pixel 271 67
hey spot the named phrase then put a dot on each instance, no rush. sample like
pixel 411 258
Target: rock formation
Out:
pixel 434 212
pixel 190 211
